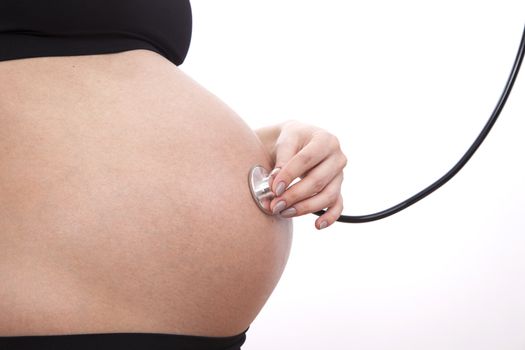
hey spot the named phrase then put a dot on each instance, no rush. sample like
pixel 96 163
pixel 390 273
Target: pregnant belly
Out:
pixel 124 202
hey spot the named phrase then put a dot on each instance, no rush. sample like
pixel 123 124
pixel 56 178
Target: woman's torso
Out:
pixel 124 202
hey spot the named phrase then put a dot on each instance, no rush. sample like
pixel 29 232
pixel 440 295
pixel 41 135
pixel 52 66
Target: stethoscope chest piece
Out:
pixel 260 182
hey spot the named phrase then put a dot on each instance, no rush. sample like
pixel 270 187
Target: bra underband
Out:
pixel 36 28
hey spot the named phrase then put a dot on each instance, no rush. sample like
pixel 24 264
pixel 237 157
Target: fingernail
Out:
pixel 279 206
pixel 289 212
pixel 280 189
pixel 323 225
pixel 275 171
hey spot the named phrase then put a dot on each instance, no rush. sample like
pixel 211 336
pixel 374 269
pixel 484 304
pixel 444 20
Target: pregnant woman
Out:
pixel 126 220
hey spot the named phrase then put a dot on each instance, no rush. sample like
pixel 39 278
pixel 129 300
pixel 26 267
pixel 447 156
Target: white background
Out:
pixel 406 86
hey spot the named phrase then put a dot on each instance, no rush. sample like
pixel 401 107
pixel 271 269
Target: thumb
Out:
pixel 284 152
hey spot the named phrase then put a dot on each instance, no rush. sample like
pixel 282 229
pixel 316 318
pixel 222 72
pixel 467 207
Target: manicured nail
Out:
pixel 280 189
pixel 323 225
pixel 279 206
pixel 274 172
pixel 289 212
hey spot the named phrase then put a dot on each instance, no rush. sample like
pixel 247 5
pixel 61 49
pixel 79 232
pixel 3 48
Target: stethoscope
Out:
pixel 259 179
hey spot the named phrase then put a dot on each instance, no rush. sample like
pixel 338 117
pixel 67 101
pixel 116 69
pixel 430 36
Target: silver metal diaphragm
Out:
pixel 260 182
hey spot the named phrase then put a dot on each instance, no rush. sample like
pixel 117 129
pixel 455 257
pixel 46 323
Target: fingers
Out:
pixel 295 164
pixel 330 197
pixel 331 215
pixel 314 156
pixel 285 149
pixel 316 180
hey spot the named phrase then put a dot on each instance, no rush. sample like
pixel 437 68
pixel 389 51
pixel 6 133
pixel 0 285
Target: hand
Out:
pixel 315 156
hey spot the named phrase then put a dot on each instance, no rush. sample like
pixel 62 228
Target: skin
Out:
pixel 124 202
pixel 106 225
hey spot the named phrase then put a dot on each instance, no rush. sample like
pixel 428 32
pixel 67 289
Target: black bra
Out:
pixel 34 28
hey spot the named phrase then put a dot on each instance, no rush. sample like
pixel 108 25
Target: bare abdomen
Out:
pixel 124 202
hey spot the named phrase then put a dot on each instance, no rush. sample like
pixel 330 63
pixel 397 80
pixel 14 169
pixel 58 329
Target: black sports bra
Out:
pixel 35 28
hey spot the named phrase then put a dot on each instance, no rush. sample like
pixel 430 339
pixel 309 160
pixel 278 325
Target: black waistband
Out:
pixel 127 341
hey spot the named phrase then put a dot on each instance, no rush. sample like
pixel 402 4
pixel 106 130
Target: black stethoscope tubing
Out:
pixel 445 178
